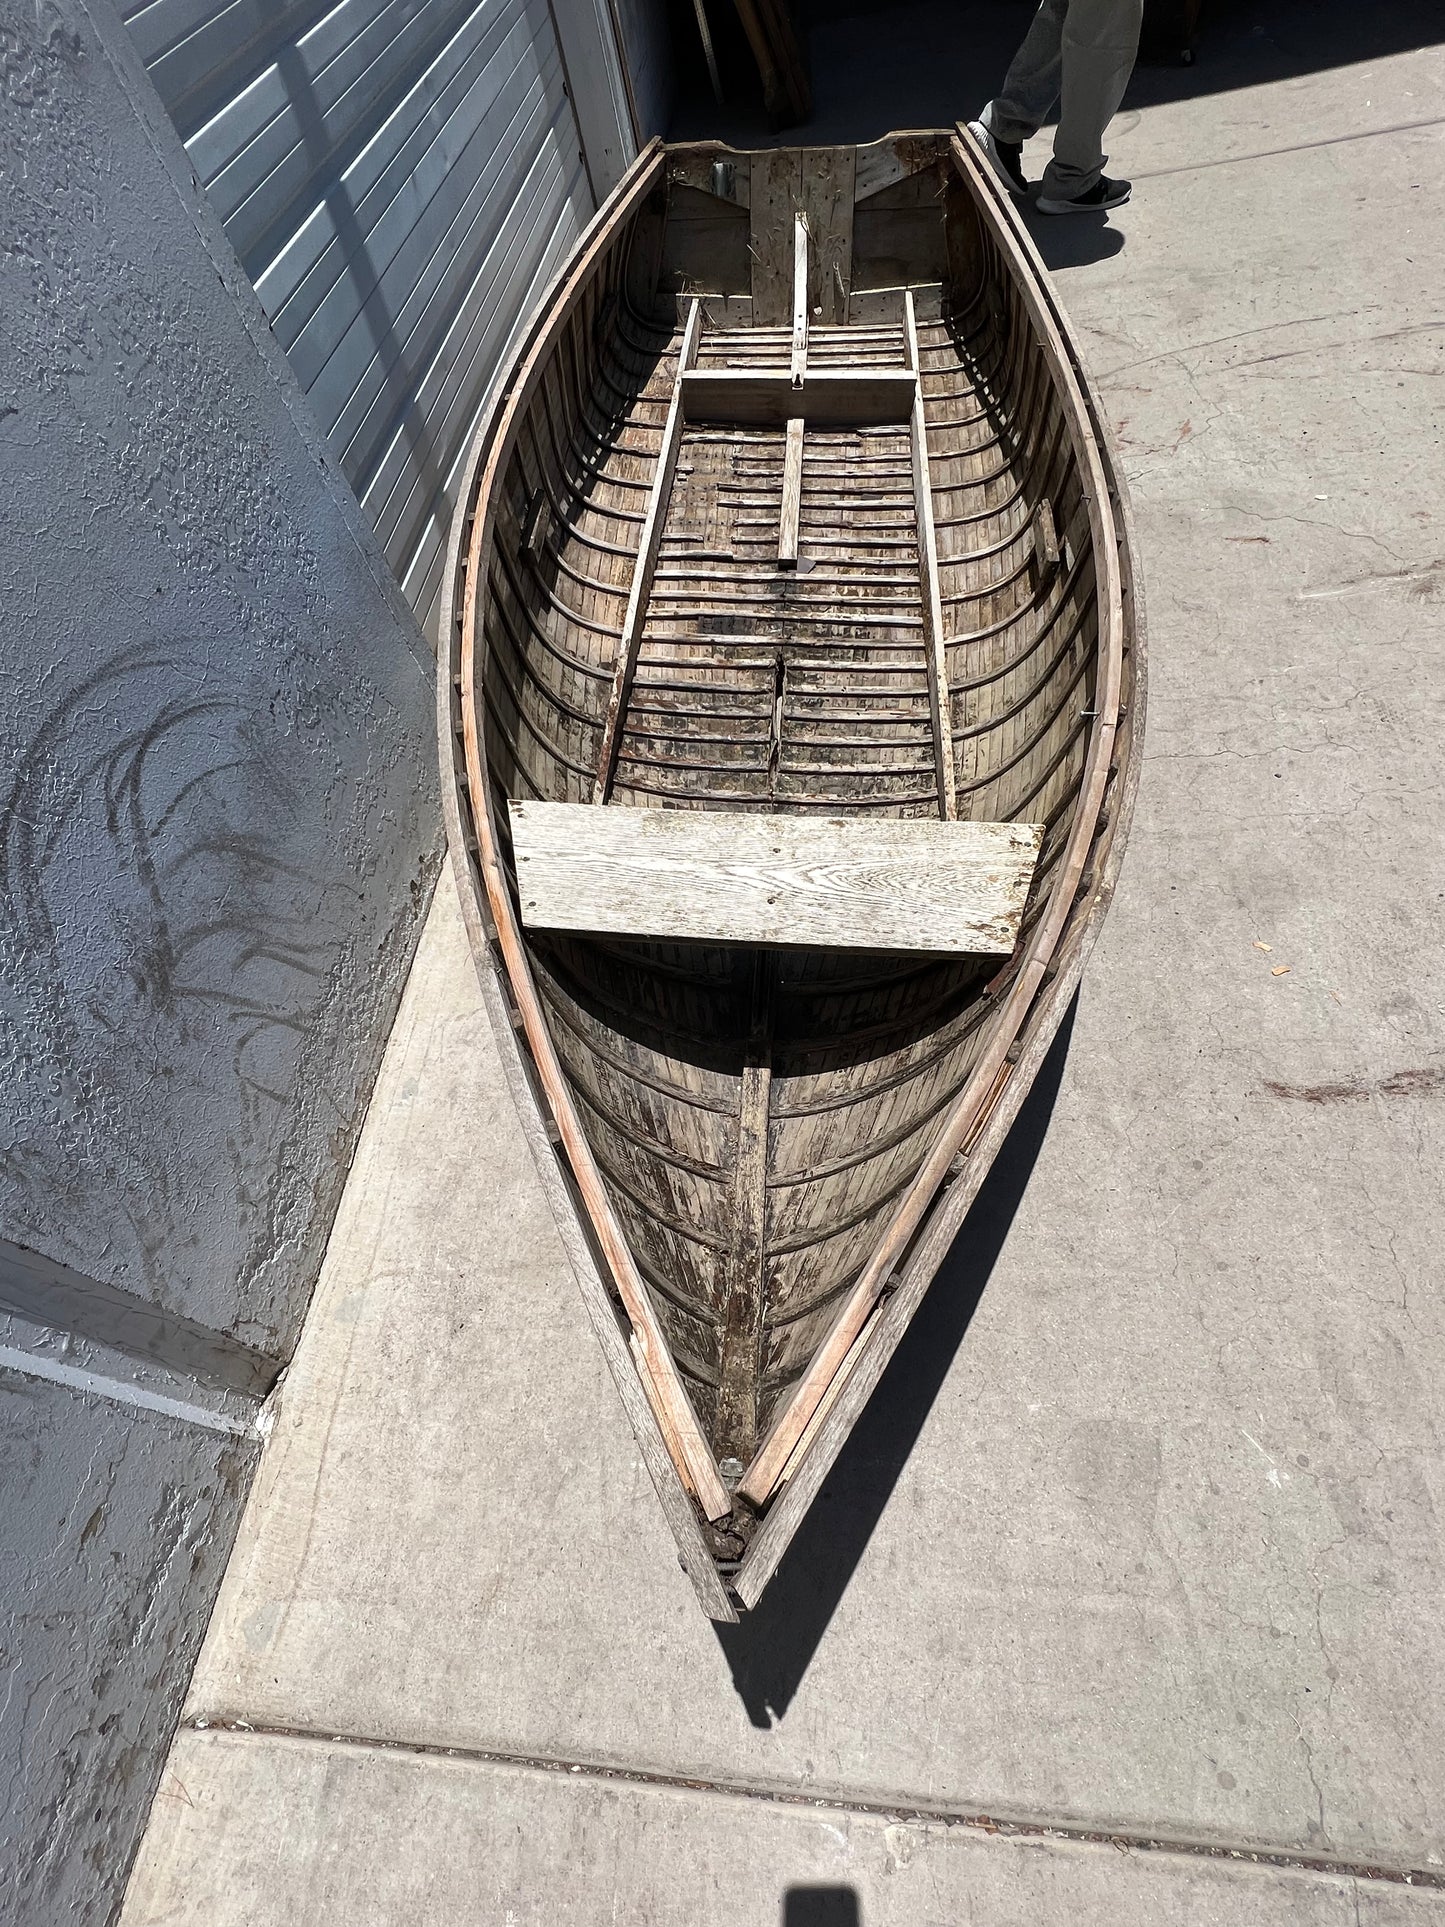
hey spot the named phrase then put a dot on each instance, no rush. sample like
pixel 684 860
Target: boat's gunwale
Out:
pixel 1033 1007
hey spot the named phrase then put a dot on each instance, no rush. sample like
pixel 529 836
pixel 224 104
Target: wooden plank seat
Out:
pixel 723 876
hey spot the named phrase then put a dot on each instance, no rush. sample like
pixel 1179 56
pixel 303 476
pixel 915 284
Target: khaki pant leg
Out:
pixel 1031 87
pixel 1100 45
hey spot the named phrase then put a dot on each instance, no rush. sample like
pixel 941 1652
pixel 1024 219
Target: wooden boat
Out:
pixel 793 537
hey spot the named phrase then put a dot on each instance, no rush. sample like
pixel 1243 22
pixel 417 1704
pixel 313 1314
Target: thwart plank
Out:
pixel 836 398
pixel 735 877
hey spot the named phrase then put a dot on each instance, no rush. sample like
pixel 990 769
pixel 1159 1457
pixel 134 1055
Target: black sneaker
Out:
pixel 1005 156
pixel 1097 199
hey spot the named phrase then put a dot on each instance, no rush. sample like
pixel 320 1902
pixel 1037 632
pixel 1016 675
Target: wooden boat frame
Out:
pixel 858 1349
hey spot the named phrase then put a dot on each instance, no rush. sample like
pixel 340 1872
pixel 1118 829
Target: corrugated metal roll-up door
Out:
pixel 399 179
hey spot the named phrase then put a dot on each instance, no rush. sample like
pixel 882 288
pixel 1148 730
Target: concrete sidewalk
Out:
pixel 1163 1561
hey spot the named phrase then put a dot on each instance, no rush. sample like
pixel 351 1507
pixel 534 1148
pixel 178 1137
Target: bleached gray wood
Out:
pixel 826 397
pixel 938 696
pixel 1046 538
pixel 737 877
pixel 883 163
pixel 797 374
pixel 713 169
pixel 656 515
pixel 799 366
pixel 792 495
pixel 827 202
pixel 837 398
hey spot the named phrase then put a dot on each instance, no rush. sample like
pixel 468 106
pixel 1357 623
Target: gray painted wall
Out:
pixel 217 834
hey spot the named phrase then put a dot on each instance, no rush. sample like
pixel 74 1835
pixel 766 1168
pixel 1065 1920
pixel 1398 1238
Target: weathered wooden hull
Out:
pixel 758 1156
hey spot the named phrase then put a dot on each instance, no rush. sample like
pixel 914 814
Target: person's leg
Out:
pixel 1031 86
pixel 1100 44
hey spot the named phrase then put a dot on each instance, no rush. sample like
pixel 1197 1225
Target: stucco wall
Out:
pixel 217 834
pixel 219 818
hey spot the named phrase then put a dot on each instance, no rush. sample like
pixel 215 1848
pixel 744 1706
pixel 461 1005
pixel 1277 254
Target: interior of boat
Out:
pixel 704 593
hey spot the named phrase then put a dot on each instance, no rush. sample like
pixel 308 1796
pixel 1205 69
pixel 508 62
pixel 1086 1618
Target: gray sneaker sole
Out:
pixel 1047 206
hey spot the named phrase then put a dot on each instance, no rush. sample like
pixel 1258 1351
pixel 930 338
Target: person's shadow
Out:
pixel 1073 241
pixel 771 1648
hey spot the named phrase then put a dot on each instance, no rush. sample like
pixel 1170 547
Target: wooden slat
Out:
pixel 718 876
pixel 782 67
pixel 837 398
pixel 642 573
pixel 938 699
pixel 883 163
pixel 775 191
pixel 735 1428
pixel 828 206
pixel 792 495
pixel 799 367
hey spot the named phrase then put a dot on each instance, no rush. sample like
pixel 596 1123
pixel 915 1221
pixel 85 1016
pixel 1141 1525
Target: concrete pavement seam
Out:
pixel 1275 153
pixel 1122 1840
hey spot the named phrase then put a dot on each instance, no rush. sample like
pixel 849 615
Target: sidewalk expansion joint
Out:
pixel 898 1812
pixel 1278 153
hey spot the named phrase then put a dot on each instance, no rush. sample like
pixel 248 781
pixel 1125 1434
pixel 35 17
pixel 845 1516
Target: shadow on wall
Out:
pixel 928 63
pixel 773 1646
pixel 399 376
pixel 821 1907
